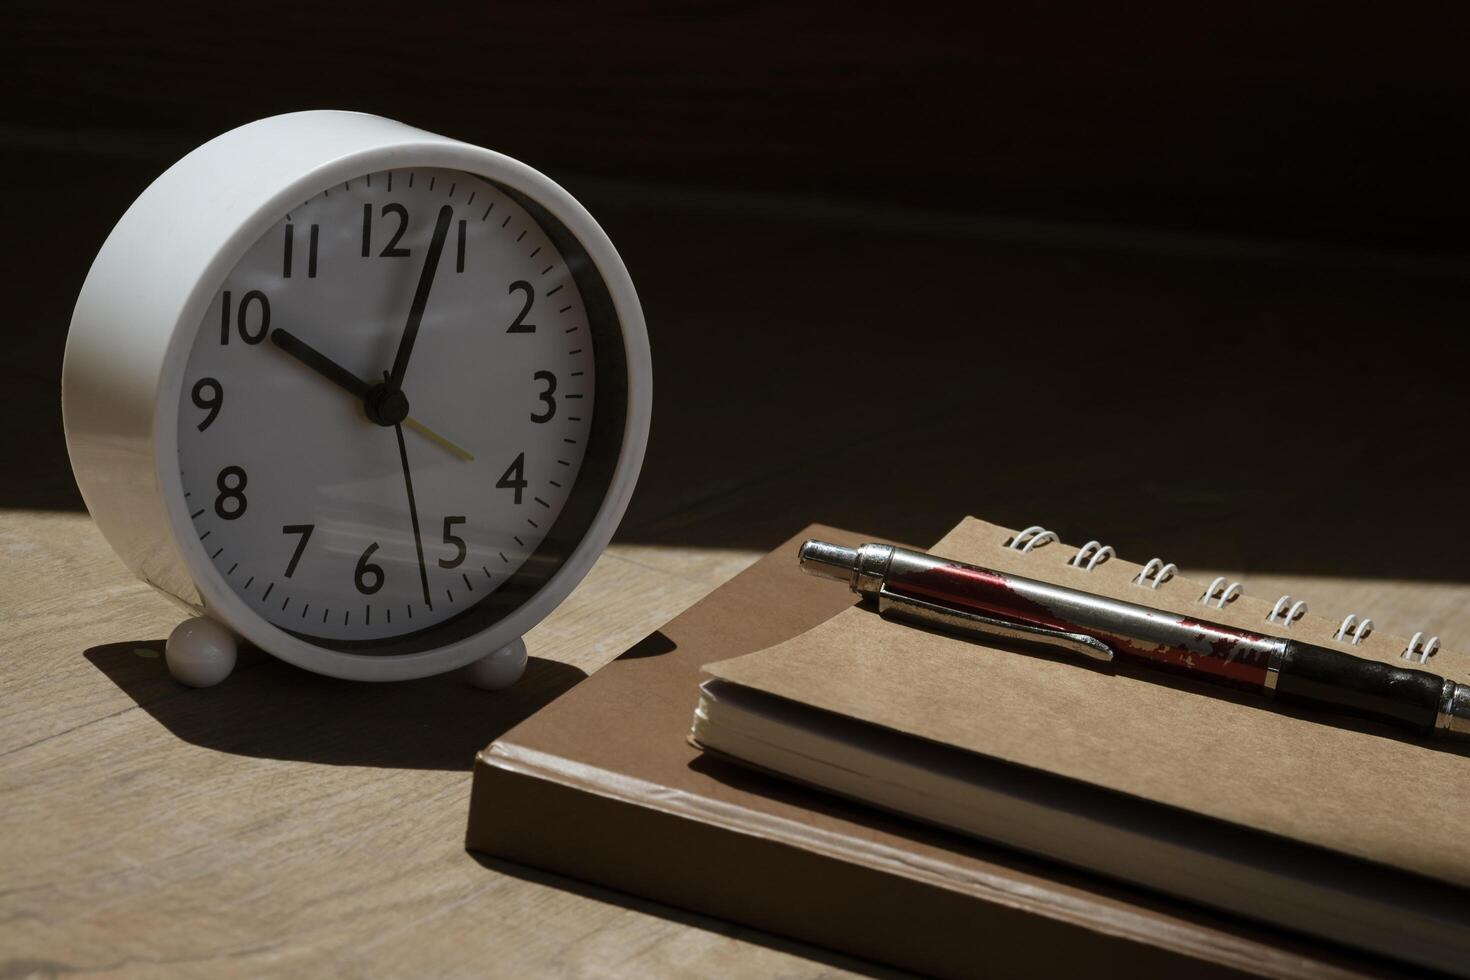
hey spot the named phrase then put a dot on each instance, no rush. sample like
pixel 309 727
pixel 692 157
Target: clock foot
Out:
pixel 200 652
pixel 499 670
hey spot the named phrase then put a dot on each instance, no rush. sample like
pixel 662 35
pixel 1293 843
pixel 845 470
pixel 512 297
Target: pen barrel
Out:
pixel 1160 639
pixel 1323 678
pixel 1287 669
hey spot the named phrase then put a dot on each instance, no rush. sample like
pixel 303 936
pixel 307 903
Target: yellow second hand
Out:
pixel 433 436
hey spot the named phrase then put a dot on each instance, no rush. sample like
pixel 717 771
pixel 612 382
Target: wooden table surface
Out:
pixel 1284 413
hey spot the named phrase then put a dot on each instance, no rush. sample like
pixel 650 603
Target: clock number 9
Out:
pixel 254 297
pixel 549 379
pixel 230 504
pixel 366 570
pixel 210 404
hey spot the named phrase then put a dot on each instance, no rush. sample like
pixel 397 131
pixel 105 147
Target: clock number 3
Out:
pixel 548 379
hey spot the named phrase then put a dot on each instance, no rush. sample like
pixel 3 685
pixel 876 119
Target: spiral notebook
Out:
pixel 1338 830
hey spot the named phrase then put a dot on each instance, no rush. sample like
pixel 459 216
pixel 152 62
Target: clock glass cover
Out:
pixel 400 411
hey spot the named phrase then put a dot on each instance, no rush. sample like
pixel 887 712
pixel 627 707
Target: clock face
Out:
pixel 386 414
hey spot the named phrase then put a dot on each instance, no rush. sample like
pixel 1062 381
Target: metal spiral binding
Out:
pixel 1421 654
pixel 1098 551
pixel 1228 593
pixel 1363 629
pixel 1159 569
pixel 1297 611
pixel 1033 537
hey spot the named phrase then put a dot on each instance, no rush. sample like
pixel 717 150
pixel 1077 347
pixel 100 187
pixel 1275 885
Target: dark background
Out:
pixel 1191 281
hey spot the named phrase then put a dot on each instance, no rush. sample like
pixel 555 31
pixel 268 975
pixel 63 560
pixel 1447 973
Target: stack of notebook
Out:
pixel 1100 818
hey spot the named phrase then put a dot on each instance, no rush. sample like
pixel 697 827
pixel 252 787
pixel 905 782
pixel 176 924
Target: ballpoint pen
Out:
pixel 950 595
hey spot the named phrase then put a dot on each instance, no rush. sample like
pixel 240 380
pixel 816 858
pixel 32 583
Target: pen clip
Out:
pixel 893 605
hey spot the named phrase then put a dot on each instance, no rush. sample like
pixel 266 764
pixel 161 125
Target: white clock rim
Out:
pixel 430 152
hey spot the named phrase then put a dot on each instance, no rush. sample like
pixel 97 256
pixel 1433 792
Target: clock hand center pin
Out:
pixel 373 397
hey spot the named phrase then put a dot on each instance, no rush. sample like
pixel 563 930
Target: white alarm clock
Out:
pixel 371 399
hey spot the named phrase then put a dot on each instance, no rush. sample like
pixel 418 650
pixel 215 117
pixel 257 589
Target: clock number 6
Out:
pixel 366 570
pixel 242 322
pixel 460 550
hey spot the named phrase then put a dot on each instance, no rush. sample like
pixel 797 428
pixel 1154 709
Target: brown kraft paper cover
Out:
pixel 1350 788
pixel 602 785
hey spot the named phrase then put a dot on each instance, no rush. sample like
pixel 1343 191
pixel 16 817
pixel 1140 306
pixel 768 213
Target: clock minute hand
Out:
pixel 420 298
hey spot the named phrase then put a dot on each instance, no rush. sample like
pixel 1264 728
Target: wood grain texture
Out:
pixel 1285 414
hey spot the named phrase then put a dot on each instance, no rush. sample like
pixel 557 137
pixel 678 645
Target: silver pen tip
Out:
pixel 828 560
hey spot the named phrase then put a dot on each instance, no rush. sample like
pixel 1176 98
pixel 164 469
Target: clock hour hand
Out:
pixel 343 378
pixel 320 363
pixel 420 298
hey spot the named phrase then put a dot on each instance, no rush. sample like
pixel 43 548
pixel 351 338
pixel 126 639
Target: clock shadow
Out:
pixel 270 709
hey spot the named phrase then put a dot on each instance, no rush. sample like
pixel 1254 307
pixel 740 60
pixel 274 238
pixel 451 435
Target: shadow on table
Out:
pixel 683 917
pixel 271 710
